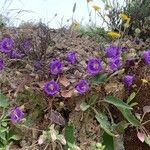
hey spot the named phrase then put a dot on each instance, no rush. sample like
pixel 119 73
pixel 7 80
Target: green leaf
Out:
pixel 3 147
pixel 117 102
pixel 61 138
pixel 73 146
pixel 3 129
pixel 93 99
pixel 115 143
pixel 133 104
pixel 69 134
pixel 108 141
pixel 118 72
pixel 129 116
pixel 104 123
pixel 98 79
pixel 121 126
pixel 147 139
pixel 131 97
pixel 84 106
pixel 3 101
pixel 3 136
pixel 4 124
pixel 14 137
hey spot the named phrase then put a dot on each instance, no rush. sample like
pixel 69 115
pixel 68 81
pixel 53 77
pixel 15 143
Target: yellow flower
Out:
pixel 124 17
pixel 114 34
pixel 137 31
pixel 128 20
pixel 144 81
pixel 75 25
pixel 96 7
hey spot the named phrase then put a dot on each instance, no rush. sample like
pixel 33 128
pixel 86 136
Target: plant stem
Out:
pixel 46 147
pixel 112 120
pixel 145 122
pixel 142 117
pixel 95 18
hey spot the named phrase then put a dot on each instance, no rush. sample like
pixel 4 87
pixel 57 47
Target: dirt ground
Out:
pixel 143 98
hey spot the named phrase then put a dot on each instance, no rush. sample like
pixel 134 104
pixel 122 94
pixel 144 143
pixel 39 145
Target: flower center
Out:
pixel 83 88
pixel 51 87
pixel 8 45
pixel 15 115
pixel 55 70
pixel 95 66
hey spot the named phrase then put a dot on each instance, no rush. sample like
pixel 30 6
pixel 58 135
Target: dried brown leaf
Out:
pixel 67 93
pixel 64 81
pixel 57 118
pixel 27 79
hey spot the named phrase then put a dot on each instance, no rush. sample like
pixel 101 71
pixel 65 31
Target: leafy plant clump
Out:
pixel 46 83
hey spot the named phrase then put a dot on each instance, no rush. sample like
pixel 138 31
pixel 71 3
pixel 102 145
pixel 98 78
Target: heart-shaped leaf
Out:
pixel 146 109
pixel 140 136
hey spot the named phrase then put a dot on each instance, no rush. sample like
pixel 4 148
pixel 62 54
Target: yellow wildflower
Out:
pixel 137 31
pixel 144 81
pixel 124 17
pixel 114 34
pixel 75 25
pixel 96 7
pixel 26 87
pixel 128 20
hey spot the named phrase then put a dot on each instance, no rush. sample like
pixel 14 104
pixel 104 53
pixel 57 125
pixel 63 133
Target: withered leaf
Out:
pixel 67 93
pixel 57 118
pixel 64 81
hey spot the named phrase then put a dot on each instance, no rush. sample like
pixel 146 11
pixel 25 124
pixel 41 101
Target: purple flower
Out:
pixel 16 114
pixel 71 57
pixel 137 41
pixel 124 48
pixel 1 64
pixel 94 66
pixel 14 54
pixel 146 56
pixel 112 51
pixel 128 80
pixel 38 65
pixel 51 87
pixel 129 60
pixel 82 86
pixel 26 44
pixel 7 45
pixel 55 66
pixel 114 63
